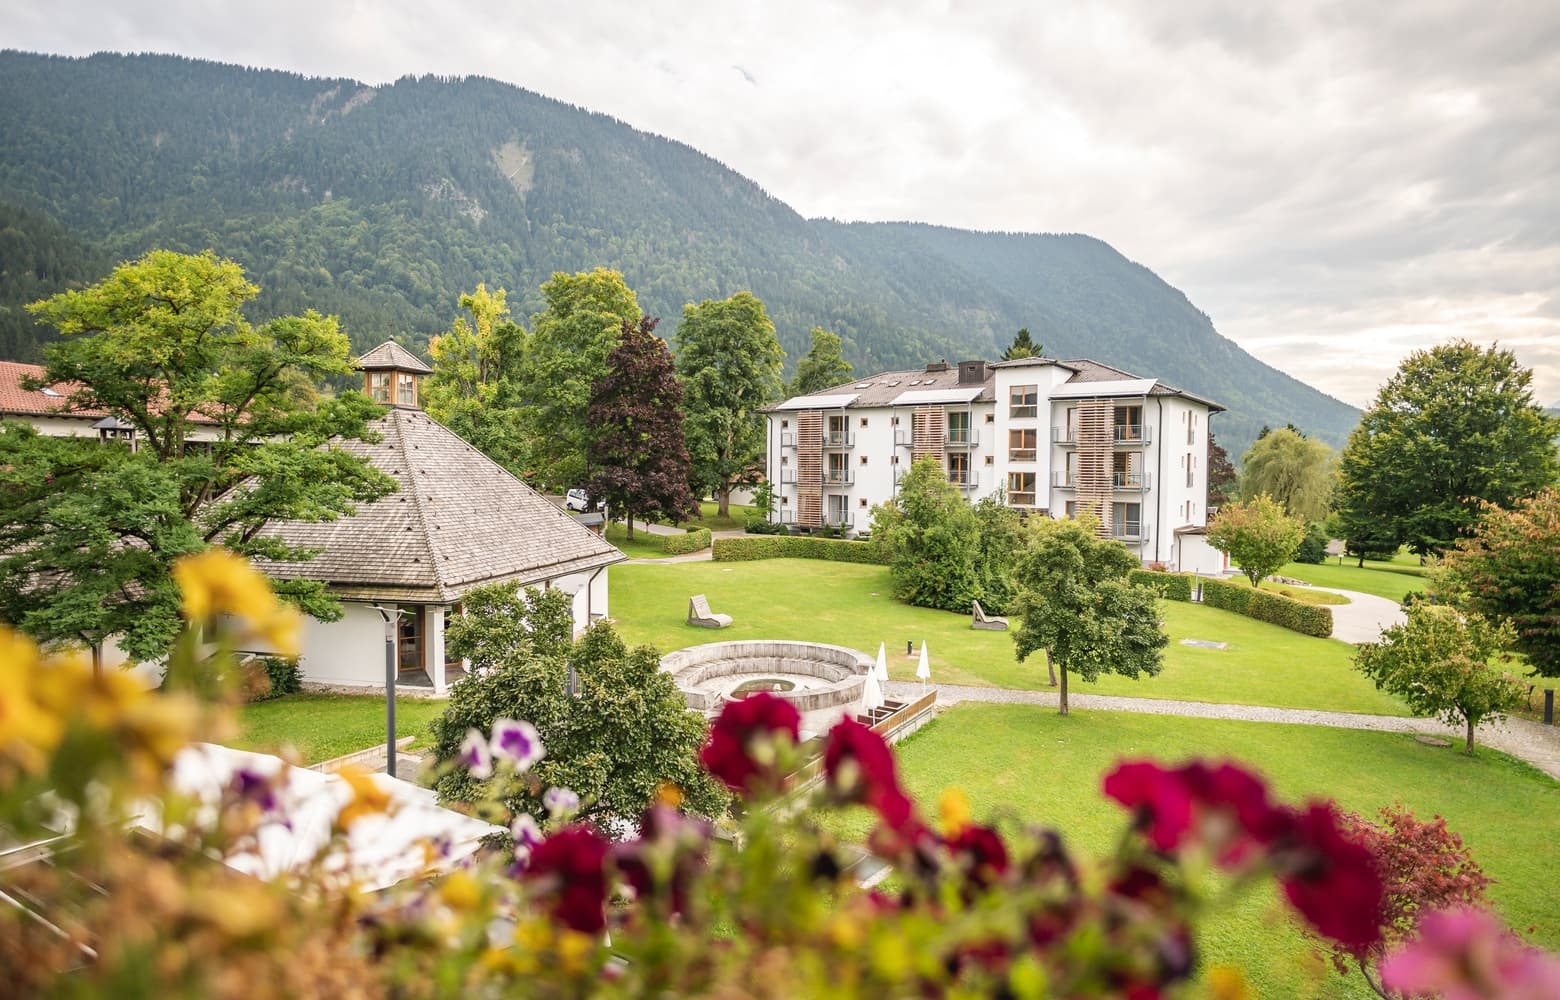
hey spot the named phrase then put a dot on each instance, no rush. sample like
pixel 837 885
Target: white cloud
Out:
pixel 1335 184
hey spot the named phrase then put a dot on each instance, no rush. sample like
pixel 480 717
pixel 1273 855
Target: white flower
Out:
pixel 518 742
pixel 474 755
pixel 526 835
pixel 561 803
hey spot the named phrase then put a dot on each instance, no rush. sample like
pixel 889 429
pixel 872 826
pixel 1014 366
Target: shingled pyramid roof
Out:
pixel 458 521
pixel 392 355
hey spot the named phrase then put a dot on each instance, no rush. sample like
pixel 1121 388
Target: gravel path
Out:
pixel 1363 618
pixel 1533 742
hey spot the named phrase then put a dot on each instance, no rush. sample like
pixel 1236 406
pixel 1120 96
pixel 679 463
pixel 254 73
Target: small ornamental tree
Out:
pixel 1257 535
pixel 639 463
pixel 1076 603
pixel 1438 662
pixel 1509 570
pixel 1423 867
pixel 929 537
pixel 624 732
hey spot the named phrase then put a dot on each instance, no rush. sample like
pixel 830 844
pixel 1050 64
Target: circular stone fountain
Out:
pixel 810 675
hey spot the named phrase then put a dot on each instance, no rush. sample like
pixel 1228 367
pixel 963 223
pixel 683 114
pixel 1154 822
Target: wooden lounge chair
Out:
pixel 699 614
pixel 993 623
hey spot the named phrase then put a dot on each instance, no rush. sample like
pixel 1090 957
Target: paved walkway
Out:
pixel 1363 618
pixel 1533 742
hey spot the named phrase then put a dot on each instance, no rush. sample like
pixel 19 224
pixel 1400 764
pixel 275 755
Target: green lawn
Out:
pixel 1384 579
pixel 644 545
pixel 708 518
pixel 323 726
pixel 1304 595
pixel 849 605
pixel 1048 770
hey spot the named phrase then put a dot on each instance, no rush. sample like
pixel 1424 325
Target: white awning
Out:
pixel 921 397
pixel 817 402
pixel 1115 387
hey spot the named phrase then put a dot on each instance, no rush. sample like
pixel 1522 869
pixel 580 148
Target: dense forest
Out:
pixel 383 204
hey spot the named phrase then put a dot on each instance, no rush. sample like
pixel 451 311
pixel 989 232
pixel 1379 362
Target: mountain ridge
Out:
pixel 383 203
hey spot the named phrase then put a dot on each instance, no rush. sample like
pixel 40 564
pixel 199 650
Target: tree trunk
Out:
pixel 724 496
pixel 1469 747
pixel 1371 982
pixel 1362 559
pixel 630 521
pixel 1050 667
pixel 97 659
pixel 1063 709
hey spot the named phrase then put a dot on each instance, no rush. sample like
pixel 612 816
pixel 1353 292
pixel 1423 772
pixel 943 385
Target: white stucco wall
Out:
pixel 350 651
pixel 1193 554
pixel 589 596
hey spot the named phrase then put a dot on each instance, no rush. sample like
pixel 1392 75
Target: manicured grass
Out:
pixel 1305 595
pixel 1384 579
pixel 849 605
pixel 644 545
pixel 708 518
pixel 323 726
pixel 1028 763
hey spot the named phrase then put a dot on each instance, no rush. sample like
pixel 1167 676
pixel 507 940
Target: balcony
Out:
pixel 839 440
pixel 1021 499
pixel 838 477
pixel 787 476
pixel 1064 435
pixel 1022 454
pixel 1127 531
pixel 838 519
pixel 903 438
pixel 1128 435
pixel 966 438
pixel 1062 481
pixel 1131 480
pixel 963 479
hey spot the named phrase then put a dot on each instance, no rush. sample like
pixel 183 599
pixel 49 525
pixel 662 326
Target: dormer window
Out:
pixel 391 374
pixel 406 389
pixel 379 387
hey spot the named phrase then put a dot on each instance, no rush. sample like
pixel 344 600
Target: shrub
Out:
pixel 761 526
pixel 793 547
pixel 1307 619
pixel 692 541
pixel 1170 586
pixel 265 677
pixel 1313 547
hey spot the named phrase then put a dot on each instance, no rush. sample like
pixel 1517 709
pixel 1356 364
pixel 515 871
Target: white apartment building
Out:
pixel 1055 437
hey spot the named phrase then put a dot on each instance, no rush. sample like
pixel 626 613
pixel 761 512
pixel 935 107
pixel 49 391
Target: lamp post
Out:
pixel 392 618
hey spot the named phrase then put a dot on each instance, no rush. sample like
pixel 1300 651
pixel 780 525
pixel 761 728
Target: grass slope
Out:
pixel 1049 769
pixel 1384 579
pixel 849 605
pixel 323 726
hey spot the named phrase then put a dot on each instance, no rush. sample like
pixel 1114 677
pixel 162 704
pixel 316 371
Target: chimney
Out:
pixel 972 372
pixel 937 366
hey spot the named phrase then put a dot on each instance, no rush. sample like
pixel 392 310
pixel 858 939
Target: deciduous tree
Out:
pixel 822 366
pixel 567 354
pixel 930 538
pixel 475 386
pixel 88 532
pixel 1256 534
pixel 638 459
pixel 1438 662
pixel 1222 478
pixel 1075 603
pixel 620 735
pixel 1456 425
pixel 1508 569
pixel 1293 469
pixel 729 362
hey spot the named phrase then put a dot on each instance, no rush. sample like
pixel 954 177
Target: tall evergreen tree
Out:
pixel 1022 347
pixel 162 344
pixel 474 389
pixel 729 362
pixel 638 458
pixel 823 365
pixel 1455 426
pixel 569 344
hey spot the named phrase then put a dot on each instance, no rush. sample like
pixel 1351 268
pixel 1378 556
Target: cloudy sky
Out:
pixel 1336 184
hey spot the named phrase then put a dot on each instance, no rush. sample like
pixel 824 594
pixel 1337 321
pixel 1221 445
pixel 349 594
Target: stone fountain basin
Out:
pixel 825 676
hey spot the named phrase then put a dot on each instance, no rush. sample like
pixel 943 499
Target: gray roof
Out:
pixel 885 388
pixel 1093 371
pixel 459 520
pixel 391 355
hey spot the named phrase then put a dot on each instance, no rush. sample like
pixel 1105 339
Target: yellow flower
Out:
pixel 953 808
pixel 460 891
pixel 573 949
pixel 29 730
pixel 1226 982
pixel 367 796
pixel 669 795
pixel 161 725
pixel 218 582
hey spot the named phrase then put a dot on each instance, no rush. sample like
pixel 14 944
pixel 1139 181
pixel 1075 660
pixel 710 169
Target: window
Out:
pixel 991 418
pixel 1072 469
pixel 863 421
pixel 863 460
pixel 784 424
pixel 989 459
pixel 1022 444
pixel 959 468
pixel 1021 489
pixel 406 390
pixel 1070 508
pixel 838 472
pixel 1126 520
pixel 1188 474
pixel 839 431
pixel 863 502
pixel 1129 423
pixel 1126 470
pixel 1023 400
pixel 379 386
pixel 1191 428
pixel 959 427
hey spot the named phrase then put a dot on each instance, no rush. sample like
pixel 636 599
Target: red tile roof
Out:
pixel 14 400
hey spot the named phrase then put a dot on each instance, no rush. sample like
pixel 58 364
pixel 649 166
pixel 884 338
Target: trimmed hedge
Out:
pixel 793 547
pixel 693 541
pixel 1170 586
pixel 1276 609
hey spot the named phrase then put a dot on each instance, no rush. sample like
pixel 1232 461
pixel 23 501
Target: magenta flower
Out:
pixel 570 866
pixel 1332 880
pixel 474 755
pixel 517 742
pixel 1468 954
pixel 743 741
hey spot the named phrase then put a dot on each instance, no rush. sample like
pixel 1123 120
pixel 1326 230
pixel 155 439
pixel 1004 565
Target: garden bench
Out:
pixel 994 623
pixel 699 614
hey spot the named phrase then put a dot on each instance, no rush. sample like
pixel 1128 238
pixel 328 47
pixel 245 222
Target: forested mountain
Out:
pixel 383 204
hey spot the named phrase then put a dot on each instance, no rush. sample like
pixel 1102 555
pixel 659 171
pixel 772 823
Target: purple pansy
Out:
pixel 526 835
pixel 518 742
pixel 474 756
pixel 561 803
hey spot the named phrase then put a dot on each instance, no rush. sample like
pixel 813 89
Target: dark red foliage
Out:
pixel 1331 878
pixel 571 866
pixel 733 752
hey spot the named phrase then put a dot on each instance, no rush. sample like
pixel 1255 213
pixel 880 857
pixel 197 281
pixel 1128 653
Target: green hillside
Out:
pixel 383 204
